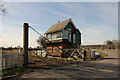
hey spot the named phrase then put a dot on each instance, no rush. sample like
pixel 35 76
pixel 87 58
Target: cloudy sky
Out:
pixel 97 21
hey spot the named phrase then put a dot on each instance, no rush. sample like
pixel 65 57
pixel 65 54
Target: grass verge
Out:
pixel 15 71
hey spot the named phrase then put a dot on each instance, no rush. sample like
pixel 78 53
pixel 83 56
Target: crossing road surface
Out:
pixel 105 68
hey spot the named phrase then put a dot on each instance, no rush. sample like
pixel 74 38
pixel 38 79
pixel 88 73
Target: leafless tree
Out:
pixel 112 44
pixel 42 42
pixel 109 44
pixel 116 43
pixel 3 9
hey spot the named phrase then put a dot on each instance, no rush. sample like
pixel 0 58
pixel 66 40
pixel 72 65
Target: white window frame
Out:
pixel 54 36
pixel 65 34
pixel 74 38
pixel 49 36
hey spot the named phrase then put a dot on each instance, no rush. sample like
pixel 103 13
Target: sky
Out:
pixel 97 21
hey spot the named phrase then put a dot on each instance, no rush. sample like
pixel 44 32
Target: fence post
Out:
pixel 25 43
pixel 2 62
pixel 41 52
pixel 29 56
pixel 84 54
pixel 93 55
pixel 5 62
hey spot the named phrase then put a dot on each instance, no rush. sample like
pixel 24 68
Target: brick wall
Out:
pixel 62 45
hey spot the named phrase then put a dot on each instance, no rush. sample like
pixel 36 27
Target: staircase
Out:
pixel 78 52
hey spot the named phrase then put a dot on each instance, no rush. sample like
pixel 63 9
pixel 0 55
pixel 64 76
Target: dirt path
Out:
pixel 106 68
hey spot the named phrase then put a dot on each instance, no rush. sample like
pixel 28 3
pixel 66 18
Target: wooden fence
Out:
pixel 70 53
pixel 11 60
pixel 0 65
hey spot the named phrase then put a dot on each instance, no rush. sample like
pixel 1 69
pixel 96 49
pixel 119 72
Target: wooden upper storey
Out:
pixel 64 30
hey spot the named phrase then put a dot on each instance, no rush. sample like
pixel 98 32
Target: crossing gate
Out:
pixel 75 53
pixel 43 55
pixel 42 58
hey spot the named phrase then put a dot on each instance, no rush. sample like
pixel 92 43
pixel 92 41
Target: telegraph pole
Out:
pixel 25 43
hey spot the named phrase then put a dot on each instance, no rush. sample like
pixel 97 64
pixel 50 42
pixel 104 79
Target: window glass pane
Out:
pixel 65 34
pixel 73 38
pixel 54 36
pixel 49 36
pixel 59 34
